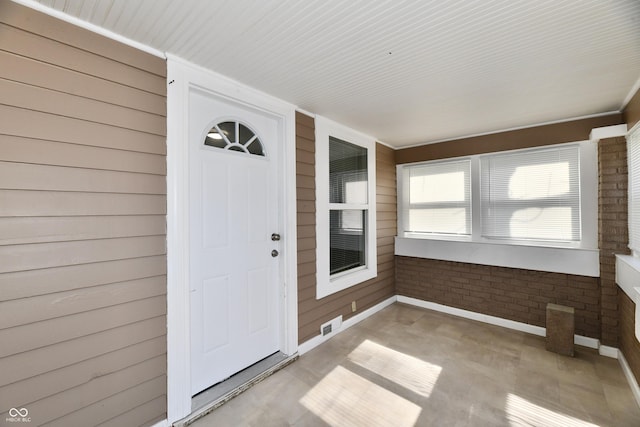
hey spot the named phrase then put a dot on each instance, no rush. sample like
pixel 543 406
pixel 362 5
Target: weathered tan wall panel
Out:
pixel 25 150
pixel 312 312
pixel 82 225
pixel 28 71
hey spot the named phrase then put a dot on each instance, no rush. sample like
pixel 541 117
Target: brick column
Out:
pixel 612 231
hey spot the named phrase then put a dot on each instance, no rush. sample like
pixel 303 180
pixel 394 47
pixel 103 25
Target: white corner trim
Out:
pixel 631 379
pixel 319 339
pixel 32 4
pixel 492 320
pixel 607 132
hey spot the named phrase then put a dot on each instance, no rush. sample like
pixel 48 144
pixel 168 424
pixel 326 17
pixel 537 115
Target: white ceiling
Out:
pixel 404 71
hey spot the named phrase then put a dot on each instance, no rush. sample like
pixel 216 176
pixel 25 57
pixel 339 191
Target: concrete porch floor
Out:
pixel 406 366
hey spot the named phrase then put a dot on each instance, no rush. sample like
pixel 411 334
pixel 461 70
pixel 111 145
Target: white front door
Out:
pixel 235 272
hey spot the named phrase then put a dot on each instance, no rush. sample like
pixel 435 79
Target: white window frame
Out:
pixel 580 258
pixel 328 284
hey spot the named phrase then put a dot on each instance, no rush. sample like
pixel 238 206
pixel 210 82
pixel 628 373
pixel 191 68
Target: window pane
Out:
pixel 347 172
pixel 439 198
pixel 533 195
pixel 346 241
pixel 441 221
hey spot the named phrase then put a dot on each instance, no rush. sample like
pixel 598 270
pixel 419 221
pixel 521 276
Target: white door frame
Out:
pixel 181 76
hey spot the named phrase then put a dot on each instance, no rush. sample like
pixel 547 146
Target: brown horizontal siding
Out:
pixel 312 312
pixel 82 225
pixel 631 112
pixel 576 130
pixel 629 345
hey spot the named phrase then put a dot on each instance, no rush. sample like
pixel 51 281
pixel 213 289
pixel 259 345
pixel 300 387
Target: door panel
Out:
pixel 235 280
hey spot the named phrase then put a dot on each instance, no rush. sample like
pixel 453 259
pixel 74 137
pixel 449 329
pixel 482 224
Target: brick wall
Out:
pixel 509 293
pixel 612 231
pixel 522 295
pixel 629 345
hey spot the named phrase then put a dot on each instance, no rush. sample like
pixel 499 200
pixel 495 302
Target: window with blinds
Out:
pixel 438 199
pixel 633 159
pixel 531 195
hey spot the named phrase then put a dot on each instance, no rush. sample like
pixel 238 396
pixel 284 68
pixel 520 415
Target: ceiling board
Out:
pixel 404 71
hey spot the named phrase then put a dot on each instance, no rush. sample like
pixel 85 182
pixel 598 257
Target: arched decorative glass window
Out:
pixel 234 136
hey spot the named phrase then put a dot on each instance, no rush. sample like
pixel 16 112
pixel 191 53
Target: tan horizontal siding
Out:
pixel 52 127
pixel 99 390
pixel 21 230
pixel 50 101
pixel 37 151
pixel 58 203
pixel 45 255
pixel 25 284
pixel 50 306
pixel 52 28
pixel 23 176
pixel 132 399
pixel 312 312
pixel 49 76
pixel 82 224
pixel 50 383
pixel 60 329
pixel 66 354
pixel 50 51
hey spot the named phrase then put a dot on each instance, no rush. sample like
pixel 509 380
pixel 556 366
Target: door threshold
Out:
pixel 212 398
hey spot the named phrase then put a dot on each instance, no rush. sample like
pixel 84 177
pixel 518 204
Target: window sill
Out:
pixel 582 262
pixel 627 277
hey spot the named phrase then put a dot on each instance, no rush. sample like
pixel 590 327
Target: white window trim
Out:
pixel 570 259
pixel 326 284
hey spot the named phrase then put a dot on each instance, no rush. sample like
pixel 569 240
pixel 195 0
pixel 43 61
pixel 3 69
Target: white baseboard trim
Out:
pixel 498 321
pixel 631 379
pixel 607 351
pixel 319 339
pixel 163 423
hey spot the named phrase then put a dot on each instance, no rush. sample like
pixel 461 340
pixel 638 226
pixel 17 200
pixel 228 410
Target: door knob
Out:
pixel 275 237
pixel 274 253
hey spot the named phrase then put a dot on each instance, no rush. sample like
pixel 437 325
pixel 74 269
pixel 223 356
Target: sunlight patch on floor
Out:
pixel 408 371
pixel 343 398
pixel 521 412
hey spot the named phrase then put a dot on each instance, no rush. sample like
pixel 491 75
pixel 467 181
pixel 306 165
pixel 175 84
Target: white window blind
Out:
pixel 633 159
pixel 438 198
pixel 532 195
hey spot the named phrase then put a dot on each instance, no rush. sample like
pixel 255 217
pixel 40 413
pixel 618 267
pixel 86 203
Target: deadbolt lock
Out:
pixel 275 237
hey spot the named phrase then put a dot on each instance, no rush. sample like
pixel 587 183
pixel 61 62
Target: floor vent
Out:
pixel 331 326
